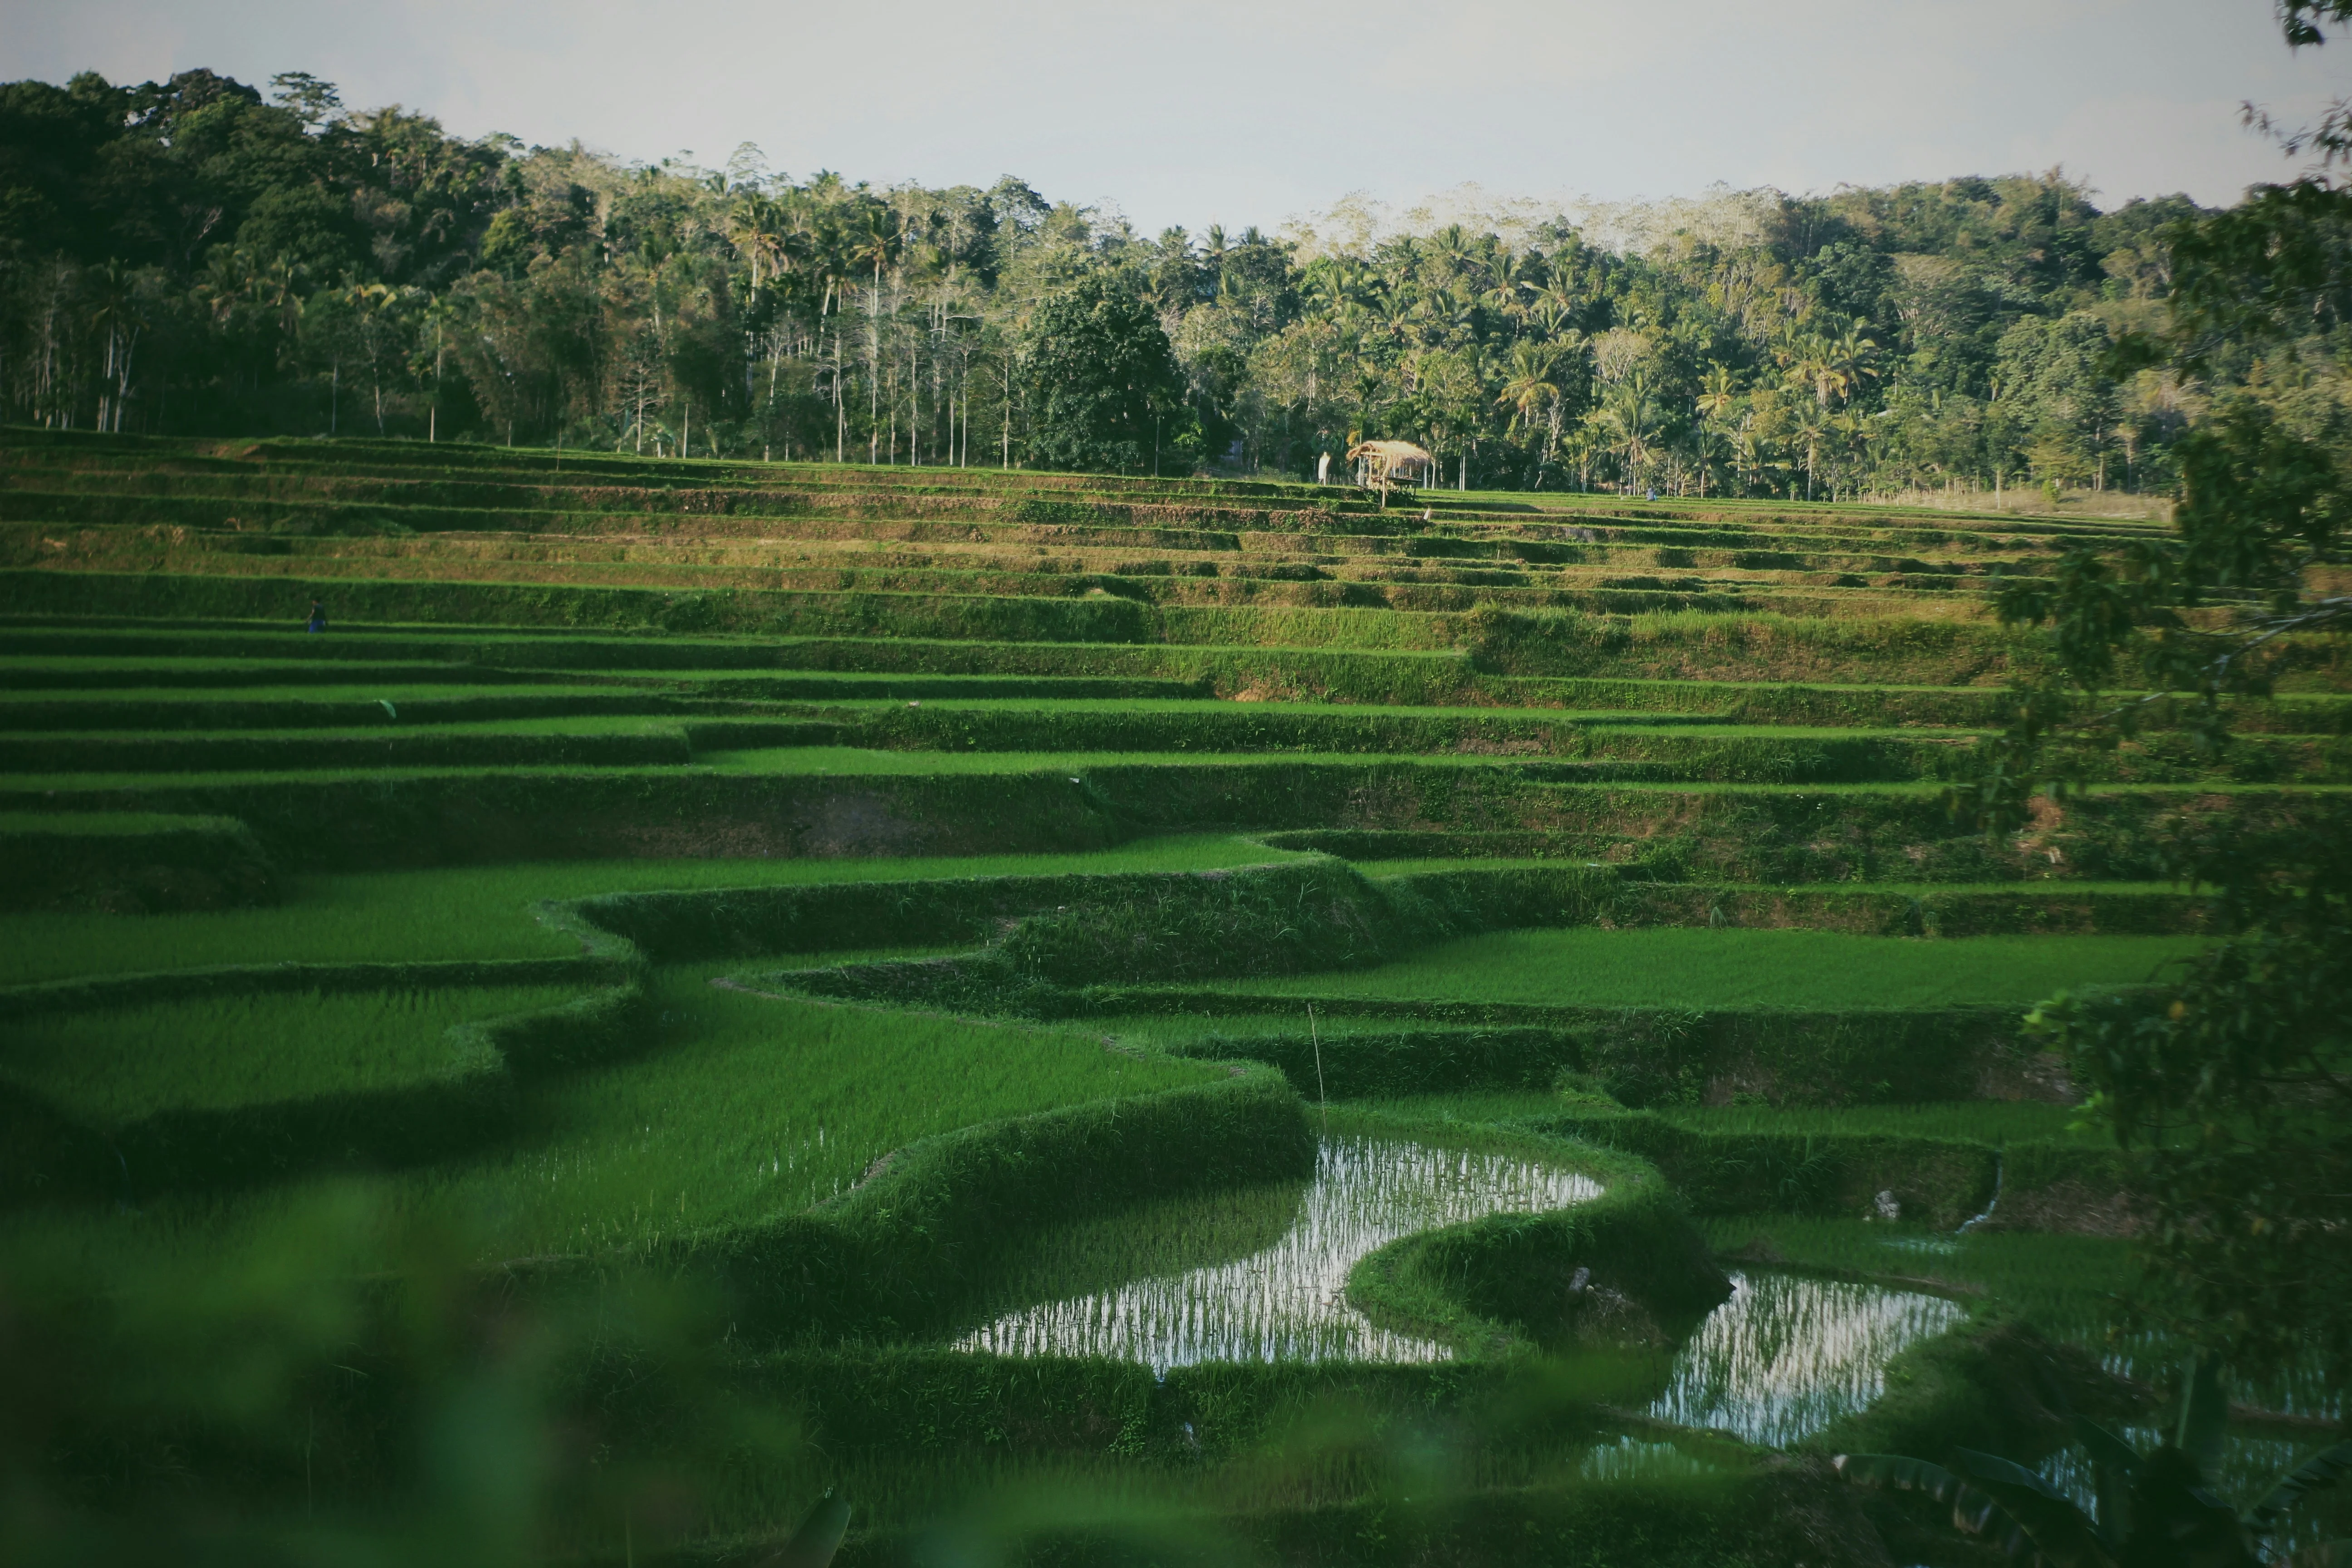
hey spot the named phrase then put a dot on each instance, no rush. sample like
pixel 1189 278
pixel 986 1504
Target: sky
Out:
pixel 1260 111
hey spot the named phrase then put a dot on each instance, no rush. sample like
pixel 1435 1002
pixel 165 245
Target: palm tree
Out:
pixel 1813 428
pixel 749 218
pixel 1849 357
pixel 1333 283
pixel 1859 435
pixel 1553 320
pixel 1716 400
pixel 876 244
pixel 1805 364
pixel 2153 1510
pixel 1451 252
pixel 1631 411
pixel 1511 284
pixel 115 312
pixel 1751 458
pixel 1370 385
pixel 1560 298
pixel 1533 386
pixel 1394 307
pixel 1715 392
pixel 373 303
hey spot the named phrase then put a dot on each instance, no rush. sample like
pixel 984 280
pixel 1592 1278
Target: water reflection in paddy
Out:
pixel 1786 1356
pixel 1288 1303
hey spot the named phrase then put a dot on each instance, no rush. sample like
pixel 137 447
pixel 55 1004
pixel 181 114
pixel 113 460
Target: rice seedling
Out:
pixel 113 1066
pixel 1699 969
pixel 853 762
pixel 575 724
pixel 1788 1355
pixel 486 912
pixel 1288 1303
pixel 1057 628
pixel 2074 1288
pixel 1978 1121
pixel 26 706
pixel 743 1108
pixel 124 822
pixel 1158 1029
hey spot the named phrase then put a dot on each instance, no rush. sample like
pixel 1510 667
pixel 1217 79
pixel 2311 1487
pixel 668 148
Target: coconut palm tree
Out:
pixel 1553 321
pixel 116 314
pixel 1395 308
pixel 373 305
pixel 1812 428
pixel 1751 456
pixel 1533 388
pixel 1849 357
pixel 750 218
pixel 875 243
pixel 1628 410
pixel 1511 284
pixel 1806 365
pixel 1716 394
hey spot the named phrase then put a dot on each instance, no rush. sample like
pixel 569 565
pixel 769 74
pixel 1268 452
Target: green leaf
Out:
pixel 2115 1466
pixel 2107 1447
pixel 1973 1512
pixel 2005 1472
pixel 2204 1413
pixel 2323 1470
pixel 818 1538
pixel 2063 1532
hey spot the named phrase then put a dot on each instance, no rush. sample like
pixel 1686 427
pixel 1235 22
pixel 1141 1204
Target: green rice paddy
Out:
pixel 1285 1300
pixel 113 1066
pixel 1974 1121
pixel 1210 1346
pixel 488 913
pixel 745 1107
pixel 761 1106
pixel 1701 969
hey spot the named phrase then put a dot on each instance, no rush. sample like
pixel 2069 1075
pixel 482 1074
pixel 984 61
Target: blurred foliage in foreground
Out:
pixel 276 1405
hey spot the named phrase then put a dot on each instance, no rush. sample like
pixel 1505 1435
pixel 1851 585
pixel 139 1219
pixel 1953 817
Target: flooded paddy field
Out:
pixel 1780 1361
pixel 1287 1302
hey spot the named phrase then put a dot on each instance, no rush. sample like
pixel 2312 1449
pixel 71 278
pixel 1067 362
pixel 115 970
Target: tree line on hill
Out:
pixel 197 255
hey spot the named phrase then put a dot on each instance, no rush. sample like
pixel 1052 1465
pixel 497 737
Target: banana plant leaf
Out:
pixel 2064 1533
pixel 2204 1413
pixel 2323 1470
pixel 818 1538
pixel 2107 1447
pixel 2116 1464
pixel 1973 1512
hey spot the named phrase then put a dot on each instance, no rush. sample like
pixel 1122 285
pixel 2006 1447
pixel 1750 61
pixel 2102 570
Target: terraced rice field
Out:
pixel 1188 1000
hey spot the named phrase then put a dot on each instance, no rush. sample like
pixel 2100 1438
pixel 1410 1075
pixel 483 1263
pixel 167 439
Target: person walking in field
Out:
pixel 317 622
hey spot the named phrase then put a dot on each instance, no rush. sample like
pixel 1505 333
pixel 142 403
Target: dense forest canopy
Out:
pixel 199 256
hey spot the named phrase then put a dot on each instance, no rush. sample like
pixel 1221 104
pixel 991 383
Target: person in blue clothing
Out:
pixel 317 622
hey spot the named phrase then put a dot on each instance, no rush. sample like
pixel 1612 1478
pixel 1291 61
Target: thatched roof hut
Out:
pixel 1391 459
pixel 1382 462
